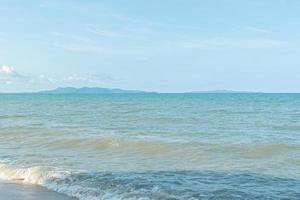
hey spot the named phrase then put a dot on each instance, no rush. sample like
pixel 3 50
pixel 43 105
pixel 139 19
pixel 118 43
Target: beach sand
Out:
pixel 13 191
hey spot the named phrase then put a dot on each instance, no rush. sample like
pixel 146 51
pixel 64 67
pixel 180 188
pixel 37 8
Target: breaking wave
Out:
pixel 156 185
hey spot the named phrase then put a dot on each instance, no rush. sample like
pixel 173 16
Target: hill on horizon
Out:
pixel 88 90
pixel 101 90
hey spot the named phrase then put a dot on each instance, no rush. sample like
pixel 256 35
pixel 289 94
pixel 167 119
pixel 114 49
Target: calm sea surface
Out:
pixel 154 146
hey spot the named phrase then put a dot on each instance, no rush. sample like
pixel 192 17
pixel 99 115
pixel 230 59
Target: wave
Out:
pixel 189 147
pixel 102 143
pixel 12 116
pixel 260 150
pixel 156 185
pixel 58 181
pixel 290 127
pixel 86 186
pixel 37 175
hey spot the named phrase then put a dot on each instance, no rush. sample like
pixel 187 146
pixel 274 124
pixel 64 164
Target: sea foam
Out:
pixel 58 181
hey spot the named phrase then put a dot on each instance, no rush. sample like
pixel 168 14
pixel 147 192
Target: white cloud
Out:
pixel 7 70
pixel 9 76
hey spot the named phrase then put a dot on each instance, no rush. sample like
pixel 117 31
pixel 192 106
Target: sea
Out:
pixel 152 146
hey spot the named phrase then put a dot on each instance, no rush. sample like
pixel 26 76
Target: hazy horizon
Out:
pixel 216 91
pixel 169 46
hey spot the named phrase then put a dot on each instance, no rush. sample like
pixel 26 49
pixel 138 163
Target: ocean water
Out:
pixel 154 146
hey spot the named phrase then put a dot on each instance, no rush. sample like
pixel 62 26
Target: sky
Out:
pixel 165 46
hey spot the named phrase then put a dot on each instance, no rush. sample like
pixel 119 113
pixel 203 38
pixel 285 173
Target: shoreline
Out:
pixel 17 191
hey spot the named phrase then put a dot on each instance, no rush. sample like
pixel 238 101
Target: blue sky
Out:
pixel 167 46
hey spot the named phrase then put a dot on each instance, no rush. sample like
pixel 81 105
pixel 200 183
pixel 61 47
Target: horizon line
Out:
pixel 216 91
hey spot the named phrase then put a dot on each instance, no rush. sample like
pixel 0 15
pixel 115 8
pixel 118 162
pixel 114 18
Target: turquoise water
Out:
pixel 154 146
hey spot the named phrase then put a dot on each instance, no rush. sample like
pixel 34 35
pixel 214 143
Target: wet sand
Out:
pixel 13 191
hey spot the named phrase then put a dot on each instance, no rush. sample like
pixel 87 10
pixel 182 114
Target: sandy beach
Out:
pixel 13 191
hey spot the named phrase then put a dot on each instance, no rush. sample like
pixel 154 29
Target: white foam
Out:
pixel 32 175
pixel 53 180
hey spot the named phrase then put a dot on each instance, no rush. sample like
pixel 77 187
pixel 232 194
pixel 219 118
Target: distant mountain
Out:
pixel 221 91
pixel 99 90
pixel 88 90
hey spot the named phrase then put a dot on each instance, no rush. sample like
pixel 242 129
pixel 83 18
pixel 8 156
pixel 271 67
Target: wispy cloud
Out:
pixel 244 43
pixel 129 33
pixel 256 29
pixel 96 79
pixel 80 48
pixel 75 43
pixel 107 33
pixel 66 36
pixel 133 20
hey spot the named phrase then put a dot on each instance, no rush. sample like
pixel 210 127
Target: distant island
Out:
pixel 222 91
pixel 88 90
pixel 100 90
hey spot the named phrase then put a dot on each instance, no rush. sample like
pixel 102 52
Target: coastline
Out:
pixel 15 191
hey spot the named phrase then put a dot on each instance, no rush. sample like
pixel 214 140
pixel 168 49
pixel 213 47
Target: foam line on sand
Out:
pixel 14 191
